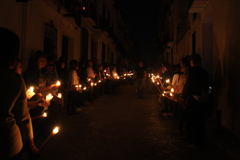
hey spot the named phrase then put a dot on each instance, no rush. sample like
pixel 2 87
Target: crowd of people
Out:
pixel 33 100
pixel 184 94
pixel 49 87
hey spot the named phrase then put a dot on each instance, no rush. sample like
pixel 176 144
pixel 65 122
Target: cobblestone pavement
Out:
pixel 123 127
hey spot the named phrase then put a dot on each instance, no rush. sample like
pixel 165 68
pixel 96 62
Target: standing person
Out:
pixel 90 71
pixel 15 121
pixel 195 92
pixel 140 75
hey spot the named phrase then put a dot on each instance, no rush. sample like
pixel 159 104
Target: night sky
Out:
pixel 142 19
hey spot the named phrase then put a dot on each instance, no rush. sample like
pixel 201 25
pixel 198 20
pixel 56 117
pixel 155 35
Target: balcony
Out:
pixel 198 6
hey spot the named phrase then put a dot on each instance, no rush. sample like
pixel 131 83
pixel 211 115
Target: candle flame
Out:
pixel 99 81
pixel 171 94
pixel 84 88
pixel 163 94
pixel 59 95
pixel 95 84
pixel 55 130
pixel 168 80
pixel 58 83
pixel 31 89
pixel 172 90
pixel 44 114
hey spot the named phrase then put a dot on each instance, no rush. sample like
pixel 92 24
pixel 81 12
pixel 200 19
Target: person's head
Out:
pixel 61 62
pixel 73 64
pixel 195 60
pixel 50 64
pixel 140 64
pixel 90 63
pixel 100 67
pixel 9 48
pixel 41 59
pixel 184 64
pixel 18 68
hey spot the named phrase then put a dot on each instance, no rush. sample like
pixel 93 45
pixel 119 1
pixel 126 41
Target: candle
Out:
pixel 59 95
pixel 157 83
pixel 49 98
pixel 92 84
pixel 41 116
pixel 80 86
pixel 58 83
pixel 168 80
pixel 99 81
pixel 44 114
pixel 171 94
pixel 163 94
pixel 54 132
pixel 30 93
pixel 172 90
pixel 84 88
pixel 95 84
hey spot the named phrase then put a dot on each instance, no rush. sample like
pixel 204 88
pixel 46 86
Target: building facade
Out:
pixel 210 28
pixel 73 29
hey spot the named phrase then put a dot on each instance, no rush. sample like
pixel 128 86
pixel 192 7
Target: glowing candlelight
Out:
pixel 125 74
pixel 168 80
pixel 49 98
pixel 92 84
pixel 118 78
pixel 105 70
pixel 85 88
pixel 95 84
pixel 30 93
pixel 89 79
pixel 171 94
pixel 99 81
pixel 58 83
pixel 54 132
pixel 44 114
pixel 163 94
pixel 157 83
pixel 172 90
pixel 59 95
pixel 153 80
pixel 80 86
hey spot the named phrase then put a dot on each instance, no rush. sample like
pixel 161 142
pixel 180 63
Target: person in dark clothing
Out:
pixel 195 94
pixel 140 75
pixel 15 122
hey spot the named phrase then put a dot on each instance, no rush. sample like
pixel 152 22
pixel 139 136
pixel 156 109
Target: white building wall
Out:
pixel 226 18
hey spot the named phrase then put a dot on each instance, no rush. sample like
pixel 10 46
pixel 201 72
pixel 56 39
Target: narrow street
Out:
pixel 123 127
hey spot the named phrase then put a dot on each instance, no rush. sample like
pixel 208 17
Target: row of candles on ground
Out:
pixel 158 80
